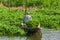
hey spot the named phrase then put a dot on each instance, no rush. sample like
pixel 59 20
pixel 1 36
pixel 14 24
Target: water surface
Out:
pixel 47 34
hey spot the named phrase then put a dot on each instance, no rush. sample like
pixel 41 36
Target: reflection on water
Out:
pixel 36 36
pixel 46 35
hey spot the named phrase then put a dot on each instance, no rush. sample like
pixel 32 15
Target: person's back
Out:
pixel 27 17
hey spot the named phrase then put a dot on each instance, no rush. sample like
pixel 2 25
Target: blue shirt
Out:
pixel 27 17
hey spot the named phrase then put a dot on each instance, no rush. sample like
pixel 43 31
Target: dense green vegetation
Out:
pixel 47 13
pixel 10 20
pixel 32 23
pixel 42 3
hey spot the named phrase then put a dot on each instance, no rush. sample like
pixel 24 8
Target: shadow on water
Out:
pixel 35 36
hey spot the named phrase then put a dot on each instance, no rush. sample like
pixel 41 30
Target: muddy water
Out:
pixel 47 34
pixel 36 36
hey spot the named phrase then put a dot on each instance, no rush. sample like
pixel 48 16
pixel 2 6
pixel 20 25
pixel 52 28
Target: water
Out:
pixel 48 34
pixel 51 34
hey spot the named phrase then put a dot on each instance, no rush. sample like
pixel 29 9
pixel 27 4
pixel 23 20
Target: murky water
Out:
pixel 46 35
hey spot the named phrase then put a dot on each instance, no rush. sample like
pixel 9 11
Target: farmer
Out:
pixel 24 26
pixel 26 18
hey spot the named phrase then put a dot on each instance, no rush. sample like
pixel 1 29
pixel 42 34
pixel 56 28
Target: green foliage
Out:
pixel 10 20
pixel 51 4
pixel 32 23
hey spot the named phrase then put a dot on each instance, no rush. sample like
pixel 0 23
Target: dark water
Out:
pixel 47 34
pixel 36 36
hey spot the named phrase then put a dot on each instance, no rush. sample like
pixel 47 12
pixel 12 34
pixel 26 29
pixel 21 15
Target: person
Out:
pixel 26 28
pixel 27 17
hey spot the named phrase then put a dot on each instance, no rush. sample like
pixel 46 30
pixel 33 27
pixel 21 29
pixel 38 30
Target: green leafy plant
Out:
pixel 31 23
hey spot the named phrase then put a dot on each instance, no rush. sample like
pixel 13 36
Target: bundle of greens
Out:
pixel 31 23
